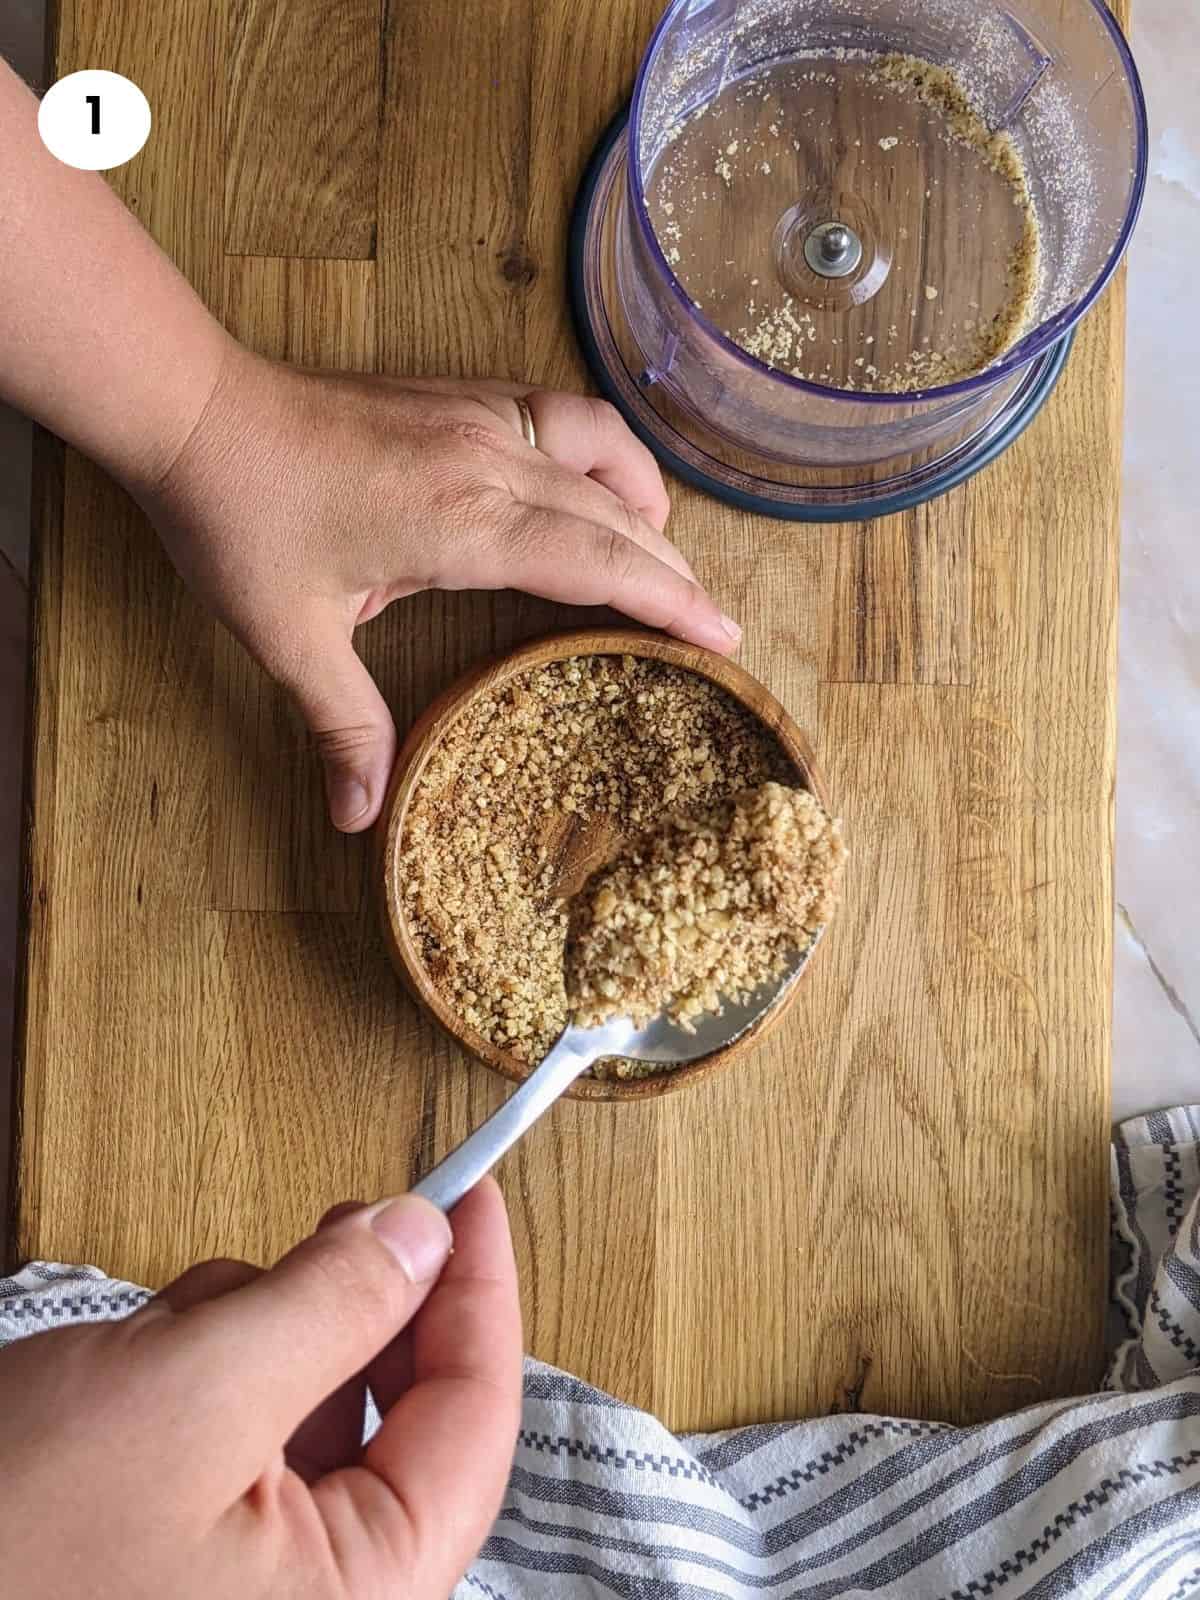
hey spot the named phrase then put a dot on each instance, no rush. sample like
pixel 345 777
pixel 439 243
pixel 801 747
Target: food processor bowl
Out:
pixel 830 262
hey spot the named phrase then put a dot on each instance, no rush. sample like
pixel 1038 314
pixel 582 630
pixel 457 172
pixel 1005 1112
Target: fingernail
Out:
pixel 348 799
pixel 731 627
pixel 416 1233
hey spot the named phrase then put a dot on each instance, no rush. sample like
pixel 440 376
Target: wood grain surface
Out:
pixel 904 1189
pixel 300 67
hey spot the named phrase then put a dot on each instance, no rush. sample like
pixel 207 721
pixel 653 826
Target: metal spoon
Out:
pixel 661 1040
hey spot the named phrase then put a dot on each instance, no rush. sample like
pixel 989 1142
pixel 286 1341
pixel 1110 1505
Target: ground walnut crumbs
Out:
pixel 564 761
pixel 703 908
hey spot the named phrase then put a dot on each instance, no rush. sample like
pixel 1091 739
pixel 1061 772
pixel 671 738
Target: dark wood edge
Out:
pixel 423 738
pixel 37 808
pixel 46 500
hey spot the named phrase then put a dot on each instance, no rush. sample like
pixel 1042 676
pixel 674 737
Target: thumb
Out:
pixel 352 726
pixel 312 1322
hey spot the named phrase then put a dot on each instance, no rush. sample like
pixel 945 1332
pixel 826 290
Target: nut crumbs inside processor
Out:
pixel 852 221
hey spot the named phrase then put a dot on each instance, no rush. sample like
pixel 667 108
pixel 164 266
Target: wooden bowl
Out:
pixel 582 856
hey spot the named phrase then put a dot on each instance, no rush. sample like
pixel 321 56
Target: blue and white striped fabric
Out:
pixel 1097 1497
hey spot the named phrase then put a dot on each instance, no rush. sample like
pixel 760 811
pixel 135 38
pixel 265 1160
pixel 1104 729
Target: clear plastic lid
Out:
pixel 878 201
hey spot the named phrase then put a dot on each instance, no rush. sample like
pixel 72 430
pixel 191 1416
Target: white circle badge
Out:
pixel 94 120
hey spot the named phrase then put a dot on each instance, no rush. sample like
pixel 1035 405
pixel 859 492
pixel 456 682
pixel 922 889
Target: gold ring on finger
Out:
pixel 528 431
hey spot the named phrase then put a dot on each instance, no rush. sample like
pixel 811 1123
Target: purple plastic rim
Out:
pixel 1019 356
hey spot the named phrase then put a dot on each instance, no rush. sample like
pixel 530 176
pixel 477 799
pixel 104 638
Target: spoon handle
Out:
pixel 573 1053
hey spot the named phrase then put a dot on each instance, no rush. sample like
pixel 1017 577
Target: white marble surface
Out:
pixel 1156 1018
pixel 1157 978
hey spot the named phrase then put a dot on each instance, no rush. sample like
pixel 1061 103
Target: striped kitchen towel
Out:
pixel 1097 1497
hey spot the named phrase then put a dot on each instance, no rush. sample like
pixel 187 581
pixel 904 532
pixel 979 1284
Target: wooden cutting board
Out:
pixel 899 1202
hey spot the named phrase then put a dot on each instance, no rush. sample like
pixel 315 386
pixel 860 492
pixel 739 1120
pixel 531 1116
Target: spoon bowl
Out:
pixel 662 1041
